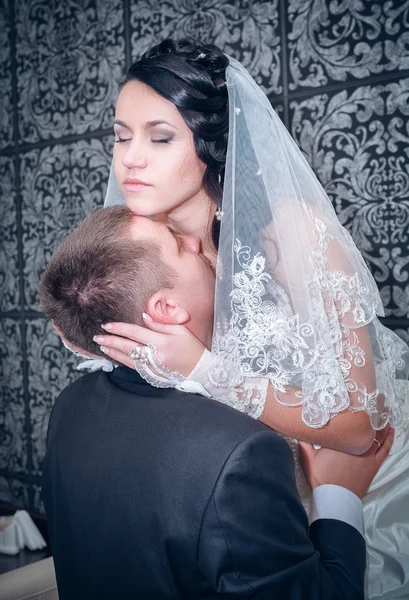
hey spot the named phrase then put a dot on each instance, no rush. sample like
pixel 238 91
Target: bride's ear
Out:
pixel 164 309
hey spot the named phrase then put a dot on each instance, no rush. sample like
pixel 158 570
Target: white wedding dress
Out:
pixel 386 521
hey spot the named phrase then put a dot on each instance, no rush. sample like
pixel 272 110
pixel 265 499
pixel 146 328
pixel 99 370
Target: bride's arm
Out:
pixel 348 431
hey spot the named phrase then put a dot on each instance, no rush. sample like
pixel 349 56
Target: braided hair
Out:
pixel 192 76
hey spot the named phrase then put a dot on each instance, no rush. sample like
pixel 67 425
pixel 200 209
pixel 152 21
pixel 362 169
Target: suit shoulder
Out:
pixel 171 409
pixel 213 420
pixel 216 410
pixel 75 391
pixel 94 379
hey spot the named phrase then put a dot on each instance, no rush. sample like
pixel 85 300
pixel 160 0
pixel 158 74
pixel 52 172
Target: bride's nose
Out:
pixel 133 157
pixel 192 243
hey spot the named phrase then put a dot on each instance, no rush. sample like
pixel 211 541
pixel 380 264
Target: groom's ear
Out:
pixel 163 309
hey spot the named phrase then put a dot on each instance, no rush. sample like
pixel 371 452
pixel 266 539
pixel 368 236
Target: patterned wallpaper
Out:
pixel 338 73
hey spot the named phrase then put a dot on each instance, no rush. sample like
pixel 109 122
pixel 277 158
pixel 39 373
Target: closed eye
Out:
pixel 162 141
pixel 119 140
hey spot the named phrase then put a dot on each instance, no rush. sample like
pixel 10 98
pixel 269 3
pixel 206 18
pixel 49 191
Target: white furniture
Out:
pixel 35 581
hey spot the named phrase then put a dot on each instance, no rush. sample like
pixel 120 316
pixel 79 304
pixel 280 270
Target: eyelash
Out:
pixel 164 141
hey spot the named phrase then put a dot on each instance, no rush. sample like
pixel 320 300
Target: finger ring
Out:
pixel 377 442
pixel 139 353
pixel 135 352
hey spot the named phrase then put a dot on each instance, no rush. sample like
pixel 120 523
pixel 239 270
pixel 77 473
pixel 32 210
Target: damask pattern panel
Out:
pixel 395 298
pixel 70 60
pixel 6 106
pixel 38 504
pixel 357 142
pixel 60 187
pixel 345 40
pixel 9 273
pixel 15 492
pixel 13 437
pixel 248 31
pixel 51 369
pixel 278 107
pixel 403 333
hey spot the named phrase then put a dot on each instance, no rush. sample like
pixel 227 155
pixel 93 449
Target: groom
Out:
pixel 152 493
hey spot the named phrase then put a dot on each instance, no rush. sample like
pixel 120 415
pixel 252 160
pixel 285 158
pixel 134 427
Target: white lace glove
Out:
pixel 95 364
pixel 246 394
pixel 90 363
pixel 214 380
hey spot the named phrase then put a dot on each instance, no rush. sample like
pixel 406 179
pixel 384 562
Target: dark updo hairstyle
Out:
pixel 192 76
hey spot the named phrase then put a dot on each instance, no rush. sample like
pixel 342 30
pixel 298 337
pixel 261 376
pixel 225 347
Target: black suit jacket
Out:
pixel 153 493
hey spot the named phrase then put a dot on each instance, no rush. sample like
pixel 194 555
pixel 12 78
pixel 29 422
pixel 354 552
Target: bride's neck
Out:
pixel 193 217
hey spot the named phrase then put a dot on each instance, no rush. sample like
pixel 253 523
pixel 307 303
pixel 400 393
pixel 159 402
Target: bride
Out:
pixel 297 342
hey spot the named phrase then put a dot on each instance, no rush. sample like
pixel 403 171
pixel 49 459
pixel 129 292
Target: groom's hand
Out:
pixel 355 473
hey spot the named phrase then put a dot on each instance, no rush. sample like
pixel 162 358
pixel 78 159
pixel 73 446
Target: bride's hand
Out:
pixel 177 347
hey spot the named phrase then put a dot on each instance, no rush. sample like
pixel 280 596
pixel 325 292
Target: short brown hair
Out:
pixel 100 274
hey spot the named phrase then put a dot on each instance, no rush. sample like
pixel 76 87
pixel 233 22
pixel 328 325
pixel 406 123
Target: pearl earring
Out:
pixel 219 214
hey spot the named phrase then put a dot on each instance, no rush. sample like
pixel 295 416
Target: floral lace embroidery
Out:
pixel 260 337
pixel 264 338
pixel 249 398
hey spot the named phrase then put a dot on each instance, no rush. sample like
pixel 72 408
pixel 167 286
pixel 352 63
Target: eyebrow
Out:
pixel 151 124
pixel 148 124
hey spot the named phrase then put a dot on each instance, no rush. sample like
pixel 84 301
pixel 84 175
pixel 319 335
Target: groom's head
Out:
pixel 115 266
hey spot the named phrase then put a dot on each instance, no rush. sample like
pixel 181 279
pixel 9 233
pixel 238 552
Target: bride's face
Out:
pixel 156 165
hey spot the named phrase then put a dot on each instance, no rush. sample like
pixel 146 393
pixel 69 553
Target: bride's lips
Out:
pixel 135 185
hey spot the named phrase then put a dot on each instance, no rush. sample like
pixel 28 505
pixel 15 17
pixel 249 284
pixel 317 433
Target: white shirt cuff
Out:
pixel 335 502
